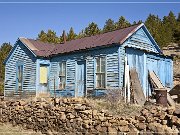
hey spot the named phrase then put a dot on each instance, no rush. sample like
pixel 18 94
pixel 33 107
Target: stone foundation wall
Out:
pixel 74 115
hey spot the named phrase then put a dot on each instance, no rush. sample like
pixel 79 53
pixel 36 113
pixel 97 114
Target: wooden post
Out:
pixel 0 111
pixel 128 84
pixel 54 87
pixel 125 79
pixel 54 92
pixel 0 114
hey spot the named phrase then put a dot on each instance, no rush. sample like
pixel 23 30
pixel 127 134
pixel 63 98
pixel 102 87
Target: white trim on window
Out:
pixel 100 72
pixel 62 75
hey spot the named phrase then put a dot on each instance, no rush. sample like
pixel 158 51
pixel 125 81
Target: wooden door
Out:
pixel 81 78
pixel 43 79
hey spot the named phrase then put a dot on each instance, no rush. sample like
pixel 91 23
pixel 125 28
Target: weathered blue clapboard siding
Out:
pixel 162 66
pixel 70 75
pixel 144 62
pixel 137 59
pixel 90 73
pixel 136 47
pixel 141 40
pixel 20 54
pixel 70 68
pixel 112 68
pixel 53 75
pixel 114 64
pixel 121 60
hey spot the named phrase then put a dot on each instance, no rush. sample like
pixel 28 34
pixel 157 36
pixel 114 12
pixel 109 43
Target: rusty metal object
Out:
pixel 161 97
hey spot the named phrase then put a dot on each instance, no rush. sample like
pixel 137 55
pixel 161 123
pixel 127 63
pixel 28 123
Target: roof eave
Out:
pixel 5 61
pixel 27 47
pixel 131 33
pixel 153 40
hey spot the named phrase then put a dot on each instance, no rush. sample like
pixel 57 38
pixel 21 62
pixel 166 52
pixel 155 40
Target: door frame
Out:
pixel 38 84
pixel 132 62
pixel 17 72
pixel 85 78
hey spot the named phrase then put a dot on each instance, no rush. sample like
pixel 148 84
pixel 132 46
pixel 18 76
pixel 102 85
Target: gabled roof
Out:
pixel 42 49
pixel 39 48
pixel 109 38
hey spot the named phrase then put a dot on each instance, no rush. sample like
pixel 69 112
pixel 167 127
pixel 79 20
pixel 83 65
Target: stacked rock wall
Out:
pixel 71 115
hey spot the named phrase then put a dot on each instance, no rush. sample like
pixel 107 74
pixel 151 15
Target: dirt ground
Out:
pixel 8 129
pixel 176 70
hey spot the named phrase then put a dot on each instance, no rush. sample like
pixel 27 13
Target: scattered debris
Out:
pixel 136 89
pixel 156 84
pixel 176 92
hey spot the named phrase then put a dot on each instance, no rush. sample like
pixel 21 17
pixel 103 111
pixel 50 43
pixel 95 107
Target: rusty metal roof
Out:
pixel 114 37
pixel 38 47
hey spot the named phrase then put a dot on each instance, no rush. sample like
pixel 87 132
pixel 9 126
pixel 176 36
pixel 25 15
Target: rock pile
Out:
pixel 74 115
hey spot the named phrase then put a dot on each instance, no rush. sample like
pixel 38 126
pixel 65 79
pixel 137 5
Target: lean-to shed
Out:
pixel 87 66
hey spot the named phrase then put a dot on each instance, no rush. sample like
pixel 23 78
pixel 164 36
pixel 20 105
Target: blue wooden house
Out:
pixel 87 66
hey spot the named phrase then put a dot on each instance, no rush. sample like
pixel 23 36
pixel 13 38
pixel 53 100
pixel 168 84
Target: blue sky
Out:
pixel 27 20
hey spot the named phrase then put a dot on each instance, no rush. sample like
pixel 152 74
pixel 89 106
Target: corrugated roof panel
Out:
pixel 46 49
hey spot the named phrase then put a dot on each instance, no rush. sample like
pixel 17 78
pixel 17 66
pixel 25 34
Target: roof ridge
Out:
pixel 83 37
pixel 105 32
pixel 112 37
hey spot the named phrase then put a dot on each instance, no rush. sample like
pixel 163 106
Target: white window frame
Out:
pixel 101 73
pixel 62 75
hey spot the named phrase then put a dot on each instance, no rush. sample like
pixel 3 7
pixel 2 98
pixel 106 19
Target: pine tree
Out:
pixel 63 37
pixel 42 36
pixel 164 32
pixel 170 23
pixel 138 22
pixel 134 23
pixel 177 31
pixel 80 35
pixel 92 29
pixel 4 51
pixel 177 34
pixel 178 18
pixel 157 29
pixel 122 23
pixel 51 37
pixel 71 35
pixel 109 25
pixel 170 20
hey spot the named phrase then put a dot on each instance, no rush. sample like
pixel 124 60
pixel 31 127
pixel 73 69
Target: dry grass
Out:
pixel 117 108
pixel 114 103
pixel 8 129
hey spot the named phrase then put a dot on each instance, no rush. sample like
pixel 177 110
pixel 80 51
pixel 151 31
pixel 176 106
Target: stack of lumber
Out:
pixel 156 84
pixel 136 89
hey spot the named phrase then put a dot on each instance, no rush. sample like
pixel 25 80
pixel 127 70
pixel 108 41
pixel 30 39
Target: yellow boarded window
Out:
pixel 43 74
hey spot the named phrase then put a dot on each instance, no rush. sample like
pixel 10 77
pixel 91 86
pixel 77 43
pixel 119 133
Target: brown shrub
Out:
pixel 113 102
